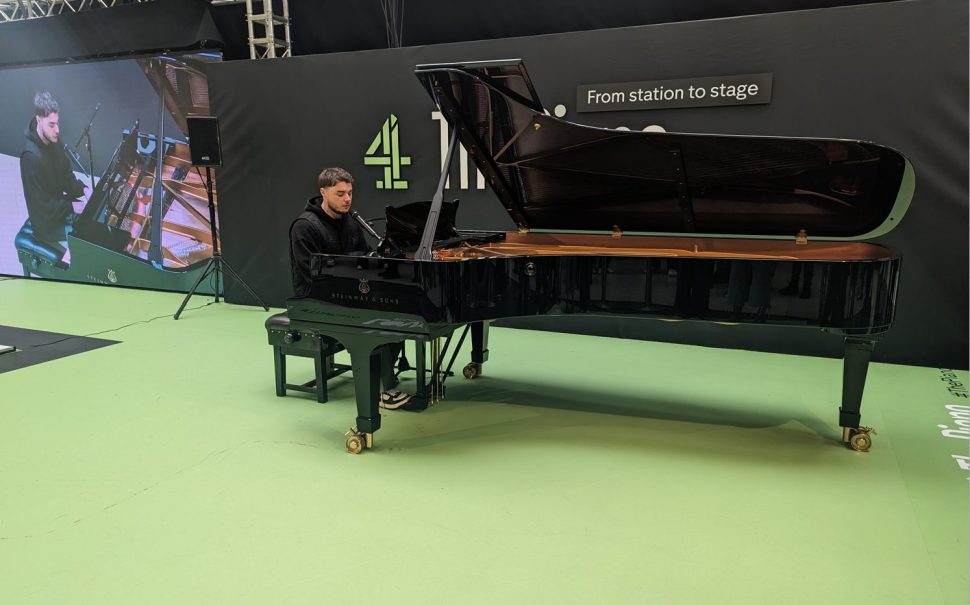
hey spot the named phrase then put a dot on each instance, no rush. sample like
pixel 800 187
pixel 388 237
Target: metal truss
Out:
pixel 268 21
pixel 18 10
pixel 269 31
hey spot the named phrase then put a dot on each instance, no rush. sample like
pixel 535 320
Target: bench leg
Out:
pixel 279 363
pixel 321 367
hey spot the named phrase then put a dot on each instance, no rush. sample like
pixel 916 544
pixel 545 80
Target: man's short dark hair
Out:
pixel 331 176
pixel 44 104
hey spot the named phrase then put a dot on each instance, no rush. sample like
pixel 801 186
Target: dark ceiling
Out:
pixel 326 26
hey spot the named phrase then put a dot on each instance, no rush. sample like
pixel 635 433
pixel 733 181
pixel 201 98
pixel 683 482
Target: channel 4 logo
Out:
pixel 385 151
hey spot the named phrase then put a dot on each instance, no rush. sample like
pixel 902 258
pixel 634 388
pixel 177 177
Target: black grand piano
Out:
pixel 638 224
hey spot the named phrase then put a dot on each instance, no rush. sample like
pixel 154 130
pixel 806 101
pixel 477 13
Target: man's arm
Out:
pixel 302 246
pixel 75 188
pixel 50 203
pixel 361 244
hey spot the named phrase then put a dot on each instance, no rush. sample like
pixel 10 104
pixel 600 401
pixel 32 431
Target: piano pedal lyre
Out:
pixel 858 439
pixel 357 441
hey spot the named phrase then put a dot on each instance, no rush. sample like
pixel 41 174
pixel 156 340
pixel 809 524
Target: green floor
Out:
pixel 578 470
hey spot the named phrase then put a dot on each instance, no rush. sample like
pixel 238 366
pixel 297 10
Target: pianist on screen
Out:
pixel 50 187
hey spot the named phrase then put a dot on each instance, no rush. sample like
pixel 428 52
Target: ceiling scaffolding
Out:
pixel 19 10
pixel 268 21
pixel 268 25
pixel 265 40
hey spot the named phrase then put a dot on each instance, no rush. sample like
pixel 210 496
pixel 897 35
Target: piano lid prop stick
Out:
pixel 427 238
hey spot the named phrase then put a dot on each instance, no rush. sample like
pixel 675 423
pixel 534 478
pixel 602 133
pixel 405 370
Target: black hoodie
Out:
pixel 49 185
pixel 313 232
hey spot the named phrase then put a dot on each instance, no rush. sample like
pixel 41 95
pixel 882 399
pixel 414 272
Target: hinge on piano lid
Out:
pixel 802 237
pixel 617 232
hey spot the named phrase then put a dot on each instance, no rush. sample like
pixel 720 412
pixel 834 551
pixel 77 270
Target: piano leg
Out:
pixel 365 361
pixel 479 331
pixel 421 391
pixel 854 369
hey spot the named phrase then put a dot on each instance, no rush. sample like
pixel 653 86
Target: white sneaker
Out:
pixel 392 400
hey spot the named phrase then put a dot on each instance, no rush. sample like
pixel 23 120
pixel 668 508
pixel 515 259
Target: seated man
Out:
pixel 50 186
pixel 325 227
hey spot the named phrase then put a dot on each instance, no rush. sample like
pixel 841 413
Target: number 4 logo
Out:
pixel 386 151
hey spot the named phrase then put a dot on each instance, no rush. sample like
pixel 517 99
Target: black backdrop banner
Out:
pixel 893 73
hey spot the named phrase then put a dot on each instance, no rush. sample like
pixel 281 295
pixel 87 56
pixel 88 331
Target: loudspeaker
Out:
pixel 204 145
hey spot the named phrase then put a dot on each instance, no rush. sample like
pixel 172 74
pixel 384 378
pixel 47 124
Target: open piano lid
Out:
pixel 554 175
pixel 180 80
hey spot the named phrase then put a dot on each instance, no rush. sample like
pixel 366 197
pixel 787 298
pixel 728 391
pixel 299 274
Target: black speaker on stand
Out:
pixel 206 151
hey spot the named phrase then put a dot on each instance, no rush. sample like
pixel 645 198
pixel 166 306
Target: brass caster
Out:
pixel 355 444
pixel 472 370
pixel 859 438
pixel 357 441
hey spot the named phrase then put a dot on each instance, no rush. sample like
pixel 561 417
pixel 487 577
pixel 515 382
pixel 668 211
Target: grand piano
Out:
pixel 729 229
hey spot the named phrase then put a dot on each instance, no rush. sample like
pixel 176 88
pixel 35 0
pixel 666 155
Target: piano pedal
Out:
pixel 436 391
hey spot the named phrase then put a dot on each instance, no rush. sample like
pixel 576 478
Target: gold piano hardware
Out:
pixel 357 441
pixel 617 232
pixel 858 439
pixel 802 238
pixel 537 125
pixel 523 229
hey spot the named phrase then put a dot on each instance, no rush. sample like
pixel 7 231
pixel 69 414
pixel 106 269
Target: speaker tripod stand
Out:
pixel 216 265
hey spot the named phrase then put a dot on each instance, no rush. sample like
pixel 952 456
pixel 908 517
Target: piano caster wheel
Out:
pixel 355 444
pixel 859 438
pixel 357 441
pixel 472 370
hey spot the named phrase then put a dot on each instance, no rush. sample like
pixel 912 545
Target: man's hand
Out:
pixel 82 201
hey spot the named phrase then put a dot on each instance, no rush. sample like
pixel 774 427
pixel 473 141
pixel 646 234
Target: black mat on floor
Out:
pixel 35 346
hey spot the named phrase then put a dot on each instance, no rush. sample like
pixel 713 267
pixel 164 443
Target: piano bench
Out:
pixel 303 343
pixel 37 257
